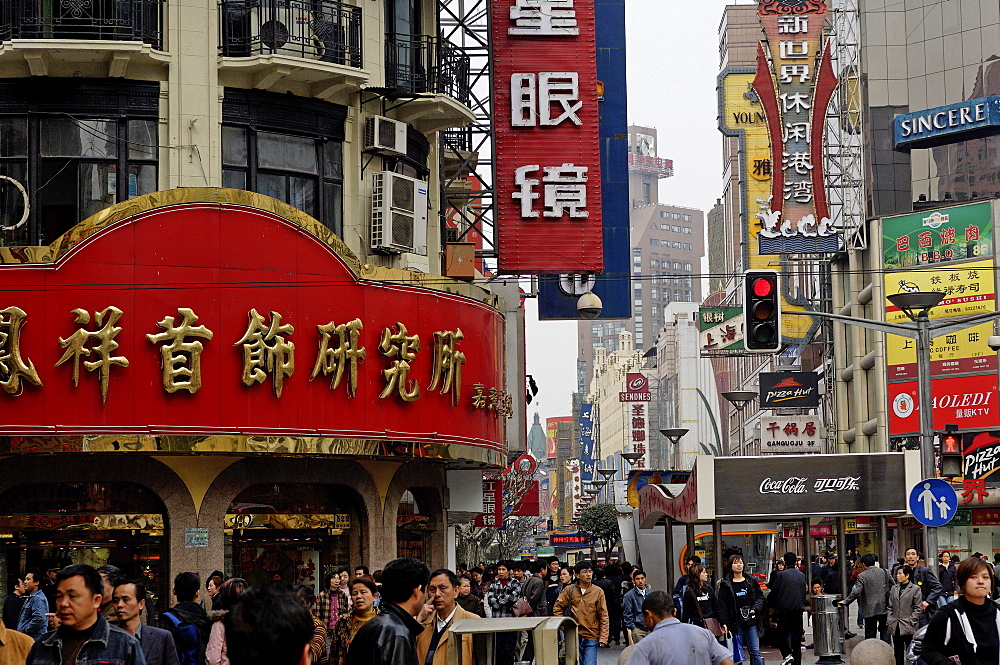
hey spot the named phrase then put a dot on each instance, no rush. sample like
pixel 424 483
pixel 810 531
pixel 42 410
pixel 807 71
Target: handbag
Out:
pixel 736 646
pixel 522 607
pixel 711 624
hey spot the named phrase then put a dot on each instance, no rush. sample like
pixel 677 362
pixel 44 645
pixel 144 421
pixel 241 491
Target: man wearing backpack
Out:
pixel 187 621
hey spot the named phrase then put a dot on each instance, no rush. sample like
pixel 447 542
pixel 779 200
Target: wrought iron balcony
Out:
pixel 419 63
pixel 322 30
pixel 119 20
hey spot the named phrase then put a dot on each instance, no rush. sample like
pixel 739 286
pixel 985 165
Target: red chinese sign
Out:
pixel 969 402
pixel 546 137
pixel 218 319
pixel 492 514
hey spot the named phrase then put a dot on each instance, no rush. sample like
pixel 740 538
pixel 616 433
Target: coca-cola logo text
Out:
pixel 793 485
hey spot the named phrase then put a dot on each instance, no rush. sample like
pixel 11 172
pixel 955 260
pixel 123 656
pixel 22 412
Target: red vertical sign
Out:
pixel 492 514
pixel 547 146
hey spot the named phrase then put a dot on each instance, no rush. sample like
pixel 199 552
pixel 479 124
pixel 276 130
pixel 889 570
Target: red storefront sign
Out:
pixel 986 517
pixel 218 319
pixel 969 402
pixel 546 135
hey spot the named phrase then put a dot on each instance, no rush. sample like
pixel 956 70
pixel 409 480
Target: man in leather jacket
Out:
pixel 389 638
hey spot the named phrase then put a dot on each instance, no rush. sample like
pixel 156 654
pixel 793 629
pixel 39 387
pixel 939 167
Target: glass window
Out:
pixel 13 137
pixel 688 267
pixel 287 153
pixel 654 242
pixel 664 214
pixel 653 263
pixel 69 137
pixel 142 139
pixel 687 229
pixel 654 293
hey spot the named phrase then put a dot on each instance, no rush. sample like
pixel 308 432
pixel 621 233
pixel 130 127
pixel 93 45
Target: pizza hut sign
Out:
pixel 636 389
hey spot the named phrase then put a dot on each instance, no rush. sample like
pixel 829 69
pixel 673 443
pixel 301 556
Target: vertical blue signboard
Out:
pixel 586 422
pixel 557 298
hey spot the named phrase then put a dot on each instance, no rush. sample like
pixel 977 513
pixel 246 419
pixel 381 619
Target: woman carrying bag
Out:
pixel 742 599
pixel 701 605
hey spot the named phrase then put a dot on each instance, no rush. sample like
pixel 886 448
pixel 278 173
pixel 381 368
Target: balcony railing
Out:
pixel 322 30
pixel 119 20
pixel 419 63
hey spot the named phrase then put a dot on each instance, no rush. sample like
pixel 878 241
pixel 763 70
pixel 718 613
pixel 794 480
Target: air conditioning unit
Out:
pixel 385 135
pixel 399 214
pixel 285 28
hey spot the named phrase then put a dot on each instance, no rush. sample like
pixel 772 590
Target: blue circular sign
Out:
pixel 933 502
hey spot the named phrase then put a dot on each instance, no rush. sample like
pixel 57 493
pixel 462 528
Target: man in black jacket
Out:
pixel 268 626
pixel 187 621
pixel 389 638
pixel 788 598
pixel 930 587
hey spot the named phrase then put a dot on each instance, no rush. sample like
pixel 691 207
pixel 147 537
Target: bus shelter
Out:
pixel 730 490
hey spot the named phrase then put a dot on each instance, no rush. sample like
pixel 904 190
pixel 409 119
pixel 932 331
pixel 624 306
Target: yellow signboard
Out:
pixel 741 115
pixel 969 289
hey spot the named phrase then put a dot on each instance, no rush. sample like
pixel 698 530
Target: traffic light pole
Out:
pixel 922 331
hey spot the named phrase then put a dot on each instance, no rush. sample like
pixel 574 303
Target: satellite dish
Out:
pixel 27 208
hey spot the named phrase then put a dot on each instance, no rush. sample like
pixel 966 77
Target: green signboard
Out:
pixel 961 518
pixel 721 329
pixel 950 234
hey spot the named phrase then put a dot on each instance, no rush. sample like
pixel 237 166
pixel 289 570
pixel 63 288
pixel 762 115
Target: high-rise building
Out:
pixel 668 243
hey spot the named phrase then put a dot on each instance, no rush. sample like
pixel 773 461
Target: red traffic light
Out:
pixel 763 287
pixel 951 444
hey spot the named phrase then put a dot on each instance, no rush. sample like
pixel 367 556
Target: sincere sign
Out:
pixel 547 137
pixel 804 485
pixel 219 319
pixel 946 124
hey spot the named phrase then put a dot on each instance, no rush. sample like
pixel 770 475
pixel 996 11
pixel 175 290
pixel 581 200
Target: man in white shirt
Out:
pixel 632 604
pixel 671 642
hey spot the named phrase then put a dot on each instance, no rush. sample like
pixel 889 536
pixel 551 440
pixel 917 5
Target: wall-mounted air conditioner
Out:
pixel 285 28
pixel 399 213
pixel 385 135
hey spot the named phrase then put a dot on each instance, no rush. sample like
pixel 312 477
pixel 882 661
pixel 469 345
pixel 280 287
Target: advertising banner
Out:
pixel 552 435
pixel 492 514
pixel 721 329
pixel 950 234
pixel 782 390
pixel 791 434
pixel 586 424
pixel 636 388
pixel 546 137
pixel 981 455
pixel 636 417
pixel 968 401
pixel 947 124
pixel 810 485
pixel 639 479
pixel 969 289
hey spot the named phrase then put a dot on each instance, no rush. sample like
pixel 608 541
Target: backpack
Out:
pixel 188 639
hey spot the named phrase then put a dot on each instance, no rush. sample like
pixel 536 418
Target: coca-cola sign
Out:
pixel 792 485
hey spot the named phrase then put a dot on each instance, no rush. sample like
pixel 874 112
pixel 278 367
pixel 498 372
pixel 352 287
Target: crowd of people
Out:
pixel 402 615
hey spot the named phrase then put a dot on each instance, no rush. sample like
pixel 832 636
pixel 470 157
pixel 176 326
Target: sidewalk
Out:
pixel 771 656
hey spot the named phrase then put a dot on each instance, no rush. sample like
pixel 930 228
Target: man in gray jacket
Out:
pixel 872 593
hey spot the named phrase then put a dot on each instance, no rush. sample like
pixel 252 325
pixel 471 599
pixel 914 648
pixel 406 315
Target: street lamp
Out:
pixel 674 435
pixel 631 458
pixel 739 399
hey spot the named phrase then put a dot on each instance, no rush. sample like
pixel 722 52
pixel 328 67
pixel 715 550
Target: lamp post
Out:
pixel 739 399
pixel 631 458
pixel 916 305
pixel 674 435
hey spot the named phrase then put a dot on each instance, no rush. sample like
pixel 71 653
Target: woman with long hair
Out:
pixel 363 595
pixel 968 628
pixel 215 652
pixel 700 601
pixel 743 601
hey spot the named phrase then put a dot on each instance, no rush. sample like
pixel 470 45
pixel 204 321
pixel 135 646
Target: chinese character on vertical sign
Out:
pixel 402 348
pixel 265 349
pixel 78 345
pixel 565 191
pixel 180 358
pixel 533 97
pixel 536 18
pixel 448 361
pixel 342 356
pixel 13 367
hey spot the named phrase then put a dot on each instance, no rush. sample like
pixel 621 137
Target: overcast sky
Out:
pixel 673 61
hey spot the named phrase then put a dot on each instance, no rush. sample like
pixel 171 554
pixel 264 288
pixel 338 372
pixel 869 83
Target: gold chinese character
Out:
pixel 448 361
pixel 178 354
pixel 479 399
pixel 508 405
pixel 404 348
pixel 495 399
pixel 12 366
pixel 77 345
pixel 345 353
pixel 264 348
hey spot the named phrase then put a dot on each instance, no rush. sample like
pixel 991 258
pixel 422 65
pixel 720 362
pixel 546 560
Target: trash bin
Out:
pixel 828 629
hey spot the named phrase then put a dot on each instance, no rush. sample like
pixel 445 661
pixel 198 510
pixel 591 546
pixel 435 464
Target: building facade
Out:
pixel 239 139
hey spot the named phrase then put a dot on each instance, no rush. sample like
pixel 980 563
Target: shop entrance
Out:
pixel 49 526
pixel 292 533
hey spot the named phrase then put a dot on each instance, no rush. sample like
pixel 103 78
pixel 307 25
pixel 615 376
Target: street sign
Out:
pixel 933 502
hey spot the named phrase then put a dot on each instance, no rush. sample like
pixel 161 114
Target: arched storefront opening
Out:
pixel 51 525
pixel 293 533
pixel 413 526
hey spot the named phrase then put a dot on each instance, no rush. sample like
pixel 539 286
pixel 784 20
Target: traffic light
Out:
pixel 762 309
pixel 951 453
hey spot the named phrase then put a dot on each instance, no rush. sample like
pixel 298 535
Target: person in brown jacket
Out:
pixel 432 644
pixel 585 603
pixel 14 646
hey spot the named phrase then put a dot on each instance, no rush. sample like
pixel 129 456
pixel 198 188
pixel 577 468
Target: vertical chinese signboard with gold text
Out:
pixel 546 131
